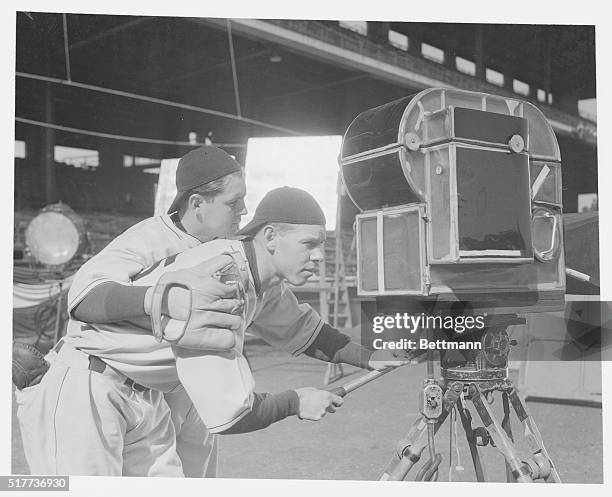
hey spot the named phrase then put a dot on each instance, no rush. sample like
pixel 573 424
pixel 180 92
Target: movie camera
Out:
pixel 460 198
pixel 460 213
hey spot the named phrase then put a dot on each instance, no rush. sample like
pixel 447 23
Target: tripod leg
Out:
pixel 429 471
pixel 542 460
pixel 408 453
pixel 466 421
pixel 410 448
pixel 506 425
pixel 520 471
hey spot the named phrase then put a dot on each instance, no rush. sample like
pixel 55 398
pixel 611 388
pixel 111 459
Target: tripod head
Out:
pixel 487 365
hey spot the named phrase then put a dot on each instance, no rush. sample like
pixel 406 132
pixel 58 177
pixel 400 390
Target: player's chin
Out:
pixel 300 278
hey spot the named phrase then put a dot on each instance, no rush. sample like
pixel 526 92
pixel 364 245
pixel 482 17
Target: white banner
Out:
pixel 30 295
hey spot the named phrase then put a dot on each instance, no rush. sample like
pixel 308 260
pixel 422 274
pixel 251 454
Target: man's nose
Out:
pixel 317 255
pixel 242 210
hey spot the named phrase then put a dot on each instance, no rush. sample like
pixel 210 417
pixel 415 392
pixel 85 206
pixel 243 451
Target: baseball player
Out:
pixel 283 243
pixel 109 317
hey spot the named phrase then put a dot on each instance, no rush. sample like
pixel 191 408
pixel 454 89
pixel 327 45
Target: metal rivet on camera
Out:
pixel 413 142
pixel 516 143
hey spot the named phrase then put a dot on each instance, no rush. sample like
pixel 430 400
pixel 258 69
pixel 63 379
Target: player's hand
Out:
pixel 314 403
pixel 208 293
pixel 382 359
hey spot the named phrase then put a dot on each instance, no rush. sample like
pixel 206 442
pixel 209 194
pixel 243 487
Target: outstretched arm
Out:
pixel 331 345
pixel 306 403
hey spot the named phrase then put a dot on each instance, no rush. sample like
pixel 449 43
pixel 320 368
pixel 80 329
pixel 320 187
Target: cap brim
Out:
pixel 251 228
pixel 176 203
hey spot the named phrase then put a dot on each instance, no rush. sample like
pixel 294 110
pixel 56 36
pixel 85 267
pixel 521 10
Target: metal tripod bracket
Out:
pixel 538 466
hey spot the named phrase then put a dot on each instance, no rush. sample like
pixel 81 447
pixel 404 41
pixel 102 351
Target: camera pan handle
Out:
pixel 362 380
pixel 554 234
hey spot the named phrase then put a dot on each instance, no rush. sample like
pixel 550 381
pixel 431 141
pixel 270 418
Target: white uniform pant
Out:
pixel 81 422
pixel 195 445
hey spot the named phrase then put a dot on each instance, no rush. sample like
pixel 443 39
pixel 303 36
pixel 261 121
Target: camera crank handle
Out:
pixel 362 380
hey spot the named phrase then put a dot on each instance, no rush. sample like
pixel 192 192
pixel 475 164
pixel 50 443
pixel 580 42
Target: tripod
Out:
pixel 476 380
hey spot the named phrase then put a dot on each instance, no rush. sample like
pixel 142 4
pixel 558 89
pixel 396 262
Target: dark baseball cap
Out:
pixel 285 205
pixel 198 167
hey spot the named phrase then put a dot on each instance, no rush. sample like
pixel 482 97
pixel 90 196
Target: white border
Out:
pixel 518 11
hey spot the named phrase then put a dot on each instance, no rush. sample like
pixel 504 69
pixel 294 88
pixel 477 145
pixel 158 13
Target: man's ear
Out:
pixel 270 236
pixel 195 200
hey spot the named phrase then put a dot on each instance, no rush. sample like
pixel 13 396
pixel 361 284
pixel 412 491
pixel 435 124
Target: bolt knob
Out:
pixel 413 142
pixel 516 143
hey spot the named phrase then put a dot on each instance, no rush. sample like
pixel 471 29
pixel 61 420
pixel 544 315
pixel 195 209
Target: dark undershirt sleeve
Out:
pixel 267 409
pixel 333 346
pixel 110 302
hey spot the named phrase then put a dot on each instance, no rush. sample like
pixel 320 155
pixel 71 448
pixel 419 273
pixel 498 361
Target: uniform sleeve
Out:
pixel 267 409
pixel 111 302
pixel 121 259
pixel 333 346
pixel 284 323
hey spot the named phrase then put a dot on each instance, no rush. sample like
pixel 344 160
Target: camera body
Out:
pixel 460 200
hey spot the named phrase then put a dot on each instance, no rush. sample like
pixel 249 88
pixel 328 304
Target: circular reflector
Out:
pixel 55 236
